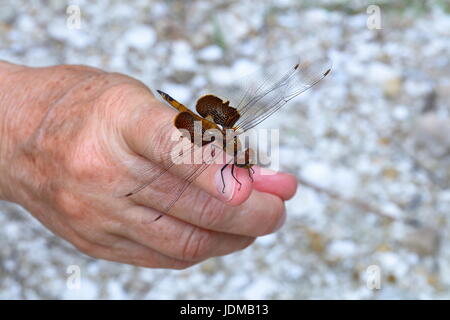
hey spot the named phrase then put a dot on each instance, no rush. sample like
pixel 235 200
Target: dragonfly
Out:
pixel 241 107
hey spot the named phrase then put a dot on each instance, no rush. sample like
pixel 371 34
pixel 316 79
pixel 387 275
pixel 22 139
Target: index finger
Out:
pixel 149 132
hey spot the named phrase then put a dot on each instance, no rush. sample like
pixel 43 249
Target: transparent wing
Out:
pixel 262 93
pixel 276 90
pixel 173 176
pixel 256 97
pixel 190 174
pixel 145 173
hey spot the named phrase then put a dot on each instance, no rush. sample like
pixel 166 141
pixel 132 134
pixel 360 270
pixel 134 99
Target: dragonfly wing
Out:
pixel 192 173
pixel 278 87
pixel 142 172
pixel 171 189
pixel 266 90
pixel 169 182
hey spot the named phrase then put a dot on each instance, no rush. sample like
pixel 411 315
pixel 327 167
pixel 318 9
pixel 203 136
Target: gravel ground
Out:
pixel 370 145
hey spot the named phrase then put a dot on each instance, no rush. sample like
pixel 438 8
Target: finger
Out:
pixel 113 247
pixel 130 252
pixel 149 133
pixel 175 238
pixel 281 184
pixel 231 188
pixel 148 128
pixel 261 214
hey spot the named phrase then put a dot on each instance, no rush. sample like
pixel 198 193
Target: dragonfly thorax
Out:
pixel 232 146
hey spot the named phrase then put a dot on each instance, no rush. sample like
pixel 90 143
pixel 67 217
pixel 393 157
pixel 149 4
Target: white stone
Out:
pixel 317 173
pixel 140 37
pixel 210 53
pixel 183 56
pixel 342 249
pixel 178 92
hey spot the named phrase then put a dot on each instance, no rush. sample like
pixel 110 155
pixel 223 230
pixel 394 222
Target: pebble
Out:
pixel 210 53
pixel 140 37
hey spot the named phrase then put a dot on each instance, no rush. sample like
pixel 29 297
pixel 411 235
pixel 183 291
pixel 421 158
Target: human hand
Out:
pixel 67 135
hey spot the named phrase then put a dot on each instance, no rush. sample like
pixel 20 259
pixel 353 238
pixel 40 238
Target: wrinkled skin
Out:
pixel 71 134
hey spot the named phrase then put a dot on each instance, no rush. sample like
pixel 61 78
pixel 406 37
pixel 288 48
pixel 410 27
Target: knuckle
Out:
pixel 66 203
pixel 166 140
pixel 196 245
pixel 122 90
pixel 212 214
pixel 87 160
pixel 84 165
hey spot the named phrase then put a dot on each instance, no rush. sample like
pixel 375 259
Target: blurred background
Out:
pixel 370 145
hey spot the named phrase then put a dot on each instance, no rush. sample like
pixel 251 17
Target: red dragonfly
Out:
pixel 240 109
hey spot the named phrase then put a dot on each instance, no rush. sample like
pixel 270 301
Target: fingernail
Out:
pixel 225 186
pixel 266 172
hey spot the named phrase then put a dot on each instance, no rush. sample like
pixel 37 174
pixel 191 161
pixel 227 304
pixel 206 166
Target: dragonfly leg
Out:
pixel 251 172
pixel 221 175
pixel 232 173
